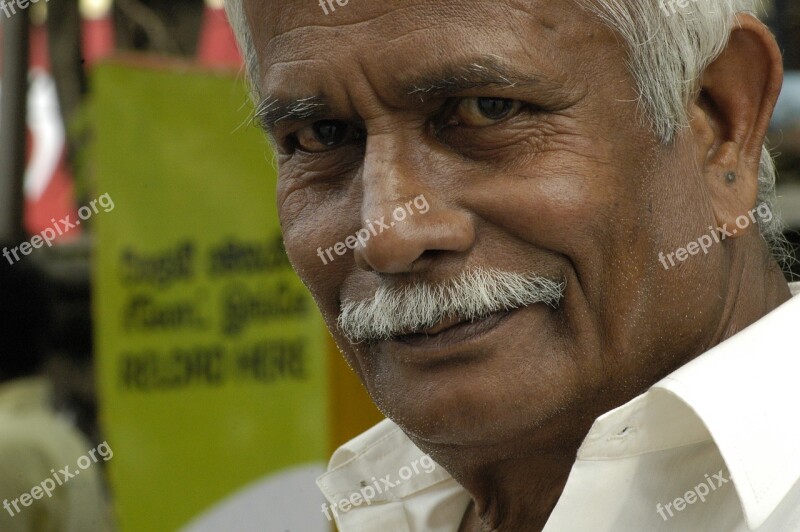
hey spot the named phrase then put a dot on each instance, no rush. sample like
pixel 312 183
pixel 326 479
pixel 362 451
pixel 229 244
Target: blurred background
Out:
pixel 137 198
pixel 136 202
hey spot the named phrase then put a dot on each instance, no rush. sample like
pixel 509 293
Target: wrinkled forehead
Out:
pixel 298 44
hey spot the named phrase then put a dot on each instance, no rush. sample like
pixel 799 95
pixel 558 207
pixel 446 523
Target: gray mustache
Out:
pixel 473 295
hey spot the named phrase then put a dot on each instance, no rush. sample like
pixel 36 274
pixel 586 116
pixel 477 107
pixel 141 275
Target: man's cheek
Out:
pixel 322 280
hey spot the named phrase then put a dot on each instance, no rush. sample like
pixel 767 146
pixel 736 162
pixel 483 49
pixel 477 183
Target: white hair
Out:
pixel 472 295
pixel 667 54
pixel 241 28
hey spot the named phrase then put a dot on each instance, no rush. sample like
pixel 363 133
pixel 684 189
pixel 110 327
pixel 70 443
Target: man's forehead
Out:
pixel 290 28
pixel 301 50
pixel 280 17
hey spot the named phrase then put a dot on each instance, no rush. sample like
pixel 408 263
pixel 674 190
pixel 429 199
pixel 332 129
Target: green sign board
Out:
pixel 211 353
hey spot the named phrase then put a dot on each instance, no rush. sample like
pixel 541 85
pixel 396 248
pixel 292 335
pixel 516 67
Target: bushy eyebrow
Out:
pixel 270 110
pixel 479 73
pixel 443 81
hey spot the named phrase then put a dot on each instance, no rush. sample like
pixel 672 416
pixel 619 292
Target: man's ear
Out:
pixel 731 115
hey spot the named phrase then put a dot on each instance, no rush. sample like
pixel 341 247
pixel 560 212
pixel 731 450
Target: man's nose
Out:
pixel 408 217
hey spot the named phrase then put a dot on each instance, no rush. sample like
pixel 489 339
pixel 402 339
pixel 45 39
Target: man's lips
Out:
pixel 441 326
pixel 453 331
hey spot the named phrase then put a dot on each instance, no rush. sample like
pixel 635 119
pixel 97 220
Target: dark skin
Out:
pixel 532 161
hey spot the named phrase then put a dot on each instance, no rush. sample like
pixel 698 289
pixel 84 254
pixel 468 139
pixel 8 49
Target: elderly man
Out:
pixel 588 328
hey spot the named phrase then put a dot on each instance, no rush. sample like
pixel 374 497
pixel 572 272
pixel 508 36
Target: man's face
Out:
pixel 508 133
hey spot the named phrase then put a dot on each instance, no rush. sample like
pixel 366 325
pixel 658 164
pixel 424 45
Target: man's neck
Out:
pixel 517 500
pixel 752 294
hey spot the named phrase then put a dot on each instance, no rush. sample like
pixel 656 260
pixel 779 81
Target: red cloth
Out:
pixel 39 56
pixel 98 39
pixel 53 195
pixel 217 46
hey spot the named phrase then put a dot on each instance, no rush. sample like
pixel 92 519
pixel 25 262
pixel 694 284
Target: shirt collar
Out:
pixel 743 394
pixel 380 453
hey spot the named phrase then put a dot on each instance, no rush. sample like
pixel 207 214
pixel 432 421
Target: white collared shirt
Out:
pixel 713 447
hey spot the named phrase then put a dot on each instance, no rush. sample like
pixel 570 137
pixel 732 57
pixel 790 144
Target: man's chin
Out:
pixel 475 383
pixel 467 404
pixel 477 424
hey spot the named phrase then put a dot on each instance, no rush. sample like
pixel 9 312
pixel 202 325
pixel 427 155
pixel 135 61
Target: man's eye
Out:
pixel 325 135
pixel 476 112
